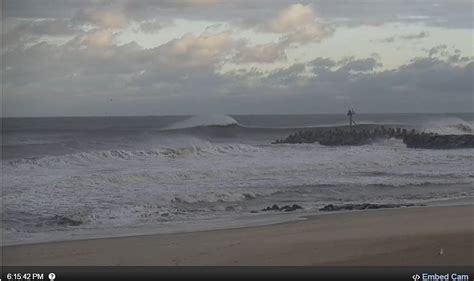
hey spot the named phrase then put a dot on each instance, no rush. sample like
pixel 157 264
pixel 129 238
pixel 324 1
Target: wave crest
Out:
pixel 203 121
pixel 83 158
pixel 450 126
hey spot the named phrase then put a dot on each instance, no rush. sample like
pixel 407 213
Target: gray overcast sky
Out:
pixel 143 57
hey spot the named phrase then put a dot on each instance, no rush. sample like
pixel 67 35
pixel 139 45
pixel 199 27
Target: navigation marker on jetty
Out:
pixel 350 113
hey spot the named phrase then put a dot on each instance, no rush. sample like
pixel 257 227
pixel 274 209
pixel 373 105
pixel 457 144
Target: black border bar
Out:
pixel 225 273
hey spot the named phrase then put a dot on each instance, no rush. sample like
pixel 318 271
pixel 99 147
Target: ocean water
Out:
pixel 137 175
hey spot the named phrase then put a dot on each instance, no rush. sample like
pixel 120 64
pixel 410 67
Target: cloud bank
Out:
pixel 83 57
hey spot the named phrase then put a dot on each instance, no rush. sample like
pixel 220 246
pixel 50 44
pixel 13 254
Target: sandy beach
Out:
pixel 407 236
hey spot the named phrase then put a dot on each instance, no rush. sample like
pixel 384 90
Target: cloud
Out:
pixel 414 36
pixel 364 65
pixel 181 77
pixel 388 39
pixel 322 63
pixel 422 85
pixel 184 73
pixel 293 18
pixel 439 50
pixel 309 33
pixel 441 13
pixel 105 18
pixel 444 52
pixel 286 77
pixel 97 39
pixel 202 49
pixel 202 2
pixel 420 35
pixel 151 26
pixel 21 32
pixel 298 24
pixel 347 66
pixel 262 53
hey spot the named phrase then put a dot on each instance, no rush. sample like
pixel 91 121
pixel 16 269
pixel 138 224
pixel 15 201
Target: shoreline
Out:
pixel 404 236
pixel 268 219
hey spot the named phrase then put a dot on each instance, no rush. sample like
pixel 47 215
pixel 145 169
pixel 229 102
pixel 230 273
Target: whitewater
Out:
pixel 137 175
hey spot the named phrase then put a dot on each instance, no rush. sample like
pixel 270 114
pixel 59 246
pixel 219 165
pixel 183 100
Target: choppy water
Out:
pixel 153 174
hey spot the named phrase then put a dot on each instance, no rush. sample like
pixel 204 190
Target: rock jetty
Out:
pixel 360 135
pixel 345 135
pixel 432 141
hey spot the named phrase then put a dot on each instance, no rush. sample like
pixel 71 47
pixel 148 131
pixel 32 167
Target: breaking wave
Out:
pixel 83 158
pixel 203 121
pixel 450 126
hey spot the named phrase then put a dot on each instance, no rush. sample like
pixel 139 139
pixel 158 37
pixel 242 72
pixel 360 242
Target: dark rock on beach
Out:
pixel 65 221
pixel 274 207
pixel 285 208
pixel 290 208
pixel 365 206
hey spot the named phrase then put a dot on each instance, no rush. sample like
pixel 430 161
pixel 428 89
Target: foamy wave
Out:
pixel 199 180
pixel 450 126
pixel 84 158
pixel 203 121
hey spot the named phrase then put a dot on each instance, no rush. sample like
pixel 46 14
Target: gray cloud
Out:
pixel 21 32
pixel 152 26
pixel 76 79
pixel 94 74
pixel 263 53
pixel 108 17
pixel 423 85
pixel 420 35
pixel 449 13
pixel 414 36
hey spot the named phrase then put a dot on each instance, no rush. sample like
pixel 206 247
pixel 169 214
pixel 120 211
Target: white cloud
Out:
pixel 202 49
pixel 293 18
pixel 299 24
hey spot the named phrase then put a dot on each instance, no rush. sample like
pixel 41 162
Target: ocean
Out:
pixel 84 177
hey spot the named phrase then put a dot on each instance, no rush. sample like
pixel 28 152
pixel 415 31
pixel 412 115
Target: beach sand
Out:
pixel 407 236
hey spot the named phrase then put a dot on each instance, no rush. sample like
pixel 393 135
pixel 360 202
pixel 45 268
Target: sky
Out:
pixel 184 57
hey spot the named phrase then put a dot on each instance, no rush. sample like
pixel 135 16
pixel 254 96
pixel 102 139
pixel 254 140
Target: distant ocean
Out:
pixel 73 178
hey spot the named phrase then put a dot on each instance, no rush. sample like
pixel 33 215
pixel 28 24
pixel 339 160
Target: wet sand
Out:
pixel 406 236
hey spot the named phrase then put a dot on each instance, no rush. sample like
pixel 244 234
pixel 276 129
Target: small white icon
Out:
pixel 416 277
pixel 51 276
pixel 441 252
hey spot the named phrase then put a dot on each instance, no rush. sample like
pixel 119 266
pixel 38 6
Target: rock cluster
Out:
pixel 285 208
pixel 365 206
